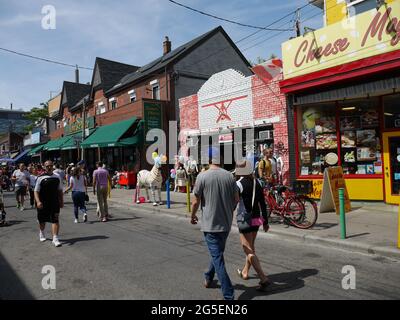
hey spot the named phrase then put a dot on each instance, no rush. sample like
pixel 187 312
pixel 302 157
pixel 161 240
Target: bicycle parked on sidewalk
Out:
pixel 295 209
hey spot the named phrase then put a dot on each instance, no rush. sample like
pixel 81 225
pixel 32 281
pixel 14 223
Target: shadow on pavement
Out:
pixel 72 241
pixel 324 226
pixel 12 287
pixel 281 282
pixel 358 235
pixel 10 223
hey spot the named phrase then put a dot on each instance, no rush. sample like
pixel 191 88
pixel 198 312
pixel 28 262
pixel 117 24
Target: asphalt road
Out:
pixel 141 255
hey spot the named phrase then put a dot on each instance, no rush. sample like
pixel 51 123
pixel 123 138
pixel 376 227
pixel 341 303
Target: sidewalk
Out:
pixel 371 227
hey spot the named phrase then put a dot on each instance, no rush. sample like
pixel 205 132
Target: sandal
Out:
pixel 240 274
pixel 263 285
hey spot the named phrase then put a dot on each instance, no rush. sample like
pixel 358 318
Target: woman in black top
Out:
pixel 249 187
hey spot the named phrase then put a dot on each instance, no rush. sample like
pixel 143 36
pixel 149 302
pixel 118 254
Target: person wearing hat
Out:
pixel 251 214
pixel 216 193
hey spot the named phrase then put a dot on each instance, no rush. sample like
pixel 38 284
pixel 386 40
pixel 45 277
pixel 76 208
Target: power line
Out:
pixel 226 20
pixel 43 59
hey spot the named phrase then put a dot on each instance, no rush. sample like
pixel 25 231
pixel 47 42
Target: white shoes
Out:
pixel 76 221
pixel 56 242
pixel 85 217
pixel 42 238
pixel 22 208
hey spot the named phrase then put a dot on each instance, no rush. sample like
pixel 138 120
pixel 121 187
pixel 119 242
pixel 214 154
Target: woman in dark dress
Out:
pixel 251 201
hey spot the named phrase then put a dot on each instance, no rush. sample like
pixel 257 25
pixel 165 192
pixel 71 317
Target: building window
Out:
pixel 156 92
pixel 132 96
pixel 113 103
pixel 340 134
pixel 101 108
pixel 392 111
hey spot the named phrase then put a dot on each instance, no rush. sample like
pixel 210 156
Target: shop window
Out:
pixel 392 111
pixel 317 138
pixel 360 137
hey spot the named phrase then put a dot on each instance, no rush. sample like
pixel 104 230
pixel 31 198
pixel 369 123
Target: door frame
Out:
pixel 387 181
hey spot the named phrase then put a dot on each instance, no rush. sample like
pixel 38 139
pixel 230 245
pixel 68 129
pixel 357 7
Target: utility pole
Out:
pixel 298 32
pixel 83 125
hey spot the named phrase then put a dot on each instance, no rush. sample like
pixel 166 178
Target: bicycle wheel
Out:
pixel 310 216
pixel 294 212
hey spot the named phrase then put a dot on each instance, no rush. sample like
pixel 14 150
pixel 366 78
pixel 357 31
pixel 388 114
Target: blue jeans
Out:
pixel 78 199
pixel 216 246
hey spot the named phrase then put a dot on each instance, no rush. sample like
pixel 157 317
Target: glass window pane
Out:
pixel 392 111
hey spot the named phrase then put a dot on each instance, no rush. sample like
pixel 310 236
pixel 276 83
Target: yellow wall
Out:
pixel 359 189
pixel 54 104
pixel 336 11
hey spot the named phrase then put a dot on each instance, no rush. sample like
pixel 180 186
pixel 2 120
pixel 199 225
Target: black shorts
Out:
pixel 20 191
pixel 44 216
pixel 249 230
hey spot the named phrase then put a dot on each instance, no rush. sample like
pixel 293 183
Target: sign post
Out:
pixel 333 181
pixel 342 214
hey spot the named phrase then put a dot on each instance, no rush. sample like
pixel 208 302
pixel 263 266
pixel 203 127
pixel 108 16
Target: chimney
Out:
pixel 77 74
pixel 166 46
pixel 11 105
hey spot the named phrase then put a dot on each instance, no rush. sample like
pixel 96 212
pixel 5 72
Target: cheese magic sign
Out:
pixel 365 35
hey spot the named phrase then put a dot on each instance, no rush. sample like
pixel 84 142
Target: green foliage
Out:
pixel 260 60
pixel 36 114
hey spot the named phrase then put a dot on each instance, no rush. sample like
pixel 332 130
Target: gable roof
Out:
pixel 171 58
pixel 72 92
pixel 110 72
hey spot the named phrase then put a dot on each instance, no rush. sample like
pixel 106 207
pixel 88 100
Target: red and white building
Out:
pixel 229 101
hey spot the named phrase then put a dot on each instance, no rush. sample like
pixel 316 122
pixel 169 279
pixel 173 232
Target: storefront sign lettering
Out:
pixel 365 35
pixel 378 24
pixel 313 51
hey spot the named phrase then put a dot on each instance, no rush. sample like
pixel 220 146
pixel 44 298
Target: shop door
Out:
pixel 391 150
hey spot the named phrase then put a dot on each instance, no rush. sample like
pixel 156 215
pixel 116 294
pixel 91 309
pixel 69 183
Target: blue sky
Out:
pixel 129 31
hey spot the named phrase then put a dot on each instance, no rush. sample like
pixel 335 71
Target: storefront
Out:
pixel 344 102
pixel 117 144
pixel 227 108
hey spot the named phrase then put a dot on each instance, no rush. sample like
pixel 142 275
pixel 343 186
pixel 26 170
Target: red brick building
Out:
pixel 230 101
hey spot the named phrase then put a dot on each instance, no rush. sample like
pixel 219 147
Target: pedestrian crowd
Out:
pixel 217 193
pixel 45 185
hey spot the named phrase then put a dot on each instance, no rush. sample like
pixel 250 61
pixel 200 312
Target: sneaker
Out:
pixel 56 242
pixel 85 217
pixel 22 208
pixel 42 238
pixel 18 205
pixel 76 221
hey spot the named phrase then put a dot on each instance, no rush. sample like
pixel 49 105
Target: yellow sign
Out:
pixel 333 181
pixel 364 35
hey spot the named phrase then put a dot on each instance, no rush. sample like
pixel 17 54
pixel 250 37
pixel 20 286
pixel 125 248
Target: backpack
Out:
pixel 256 173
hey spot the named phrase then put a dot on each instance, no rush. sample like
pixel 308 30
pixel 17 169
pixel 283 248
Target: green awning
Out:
pixel 110 135
pixel 71 143
pixel 55 144
pixel 36 149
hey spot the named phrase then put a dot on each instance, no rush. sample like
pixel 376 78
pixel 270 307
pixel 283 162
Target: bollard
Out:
pixel 167 185
pixel 188 195
pixel 342 214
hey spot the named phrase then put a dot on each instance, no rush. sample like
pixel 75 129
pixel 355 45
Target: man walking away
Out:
pixel 21 180
pixel 49 200
pixel 216 192
pixel 60 172
pixel 101 179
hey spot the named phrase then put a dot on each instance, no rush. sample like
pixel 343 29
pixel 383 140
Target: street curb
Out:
pixel 308 239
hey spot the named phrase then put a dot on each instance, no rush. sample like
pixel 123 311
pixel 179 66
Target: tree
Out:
pixel 260 60
pixel 36 115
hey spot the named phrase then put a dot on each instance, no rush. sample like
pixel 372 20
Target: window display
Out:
pixel 318 139
pixel 353 144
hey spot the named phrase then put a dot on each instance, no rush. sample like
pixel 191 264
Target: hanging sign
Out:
pixel 333 181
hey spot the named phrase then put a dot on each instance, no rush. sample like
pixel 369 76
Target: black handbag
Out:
pixel 244 223
pixel 86 197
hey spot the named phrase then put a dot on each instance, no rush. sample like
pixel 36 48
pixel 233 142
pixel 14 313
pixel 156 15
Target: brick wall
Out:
pixel 268 104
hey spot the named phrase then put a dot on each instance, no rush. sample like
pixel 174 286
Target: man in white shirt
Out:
pixel 21 179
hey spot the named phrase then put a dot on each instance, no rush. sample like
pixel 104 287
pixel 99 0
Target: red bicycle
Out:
pixel 295 209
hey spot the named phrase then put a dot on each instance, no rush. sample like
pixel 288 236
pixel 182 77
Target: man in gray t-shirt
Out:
pixel 216 193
